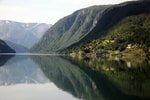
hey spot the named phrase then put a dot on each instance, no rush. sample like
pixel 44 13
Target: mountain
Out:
pixel 25 34
pixel 130 38
pixel 39 29
pixel 4 48
pixel 17 47
pixel 111 17
pixel 86 25
pixel 69 29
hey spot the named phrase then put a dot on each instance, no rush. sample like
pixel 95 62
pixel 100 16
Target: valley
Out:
pixel 21 36
pixel 99 52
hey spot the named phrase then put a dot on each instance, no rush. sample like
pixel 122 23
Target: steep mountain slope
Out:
pixel 4 48
pixel 25 34
pixel 112 16
pixel 131 36
pixel 86 25
pixel 69 29
pixel 17 47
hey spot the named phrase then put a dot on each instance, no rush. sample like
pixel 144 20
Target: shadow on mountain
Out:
pixel 79 80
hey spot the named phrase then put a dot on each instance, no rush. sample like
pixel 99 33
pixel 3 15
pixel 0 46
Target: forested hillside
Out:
pixel 69 29
pixel 86 25
pixel 131 35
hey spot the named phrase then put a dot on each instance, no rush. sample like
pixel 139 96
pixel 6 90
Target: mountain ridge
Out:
pixel 105 24
pixel 70 28
pixel 25 34
pixel 71 31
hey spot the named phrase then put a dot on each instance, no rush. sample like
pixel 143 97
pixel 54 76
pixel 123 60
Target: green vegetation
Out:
pixel 127 47
pixel 129 38
pixel 111 17
pixel 86 25
pixel 120 32
pixel 69 29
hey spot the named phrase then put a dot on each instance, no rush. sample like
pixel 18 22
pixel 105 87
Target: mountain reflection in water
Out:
pixel 70 77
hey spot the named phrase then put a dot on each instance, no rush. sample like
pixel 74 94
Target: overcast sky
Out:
pixel 46 11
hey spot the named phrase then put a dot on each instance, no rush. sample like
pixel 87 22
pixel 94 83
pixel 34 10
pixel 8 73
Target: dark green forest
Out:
pixel 131 35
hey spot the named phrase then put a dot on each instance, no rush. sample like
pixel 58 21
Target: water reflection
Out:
pixel 132 79
pixel 69 77
pixel 21 69
pixel 4 59
pixel 77 78
pixel 58 78
pixel 22 79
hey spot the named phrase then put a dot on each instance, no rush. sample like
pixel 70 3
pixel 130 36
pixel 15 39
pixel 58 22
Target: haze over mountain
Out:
pixel 86 25
pixel 25 34
pixel 17 47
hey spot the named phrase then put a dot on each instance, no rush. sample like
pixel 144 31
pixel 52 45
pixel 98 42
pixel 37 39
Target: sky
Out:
pixel 44 11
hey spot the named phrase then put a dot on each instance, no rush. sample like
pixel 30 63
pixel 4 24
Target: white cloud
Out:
pixel 44 10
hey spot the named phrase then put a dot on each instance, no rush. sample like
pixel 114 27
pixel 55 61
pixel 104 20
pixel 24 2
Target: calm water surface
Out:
pixel 57 78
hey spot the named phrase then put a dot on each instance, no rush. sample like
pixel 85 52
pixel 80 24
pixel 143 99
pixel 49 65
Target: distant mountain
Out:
pixel 86 25
pixel 17 47
pixel 4 48
pixel 25 34
pixel 39 29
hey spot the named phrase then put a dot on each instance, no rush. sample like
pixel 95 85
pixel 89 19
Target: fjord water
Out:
pixel 58 78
